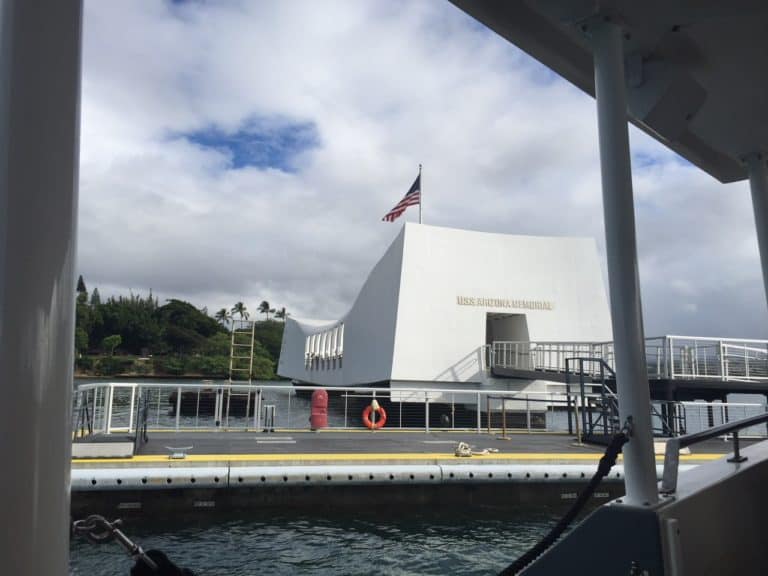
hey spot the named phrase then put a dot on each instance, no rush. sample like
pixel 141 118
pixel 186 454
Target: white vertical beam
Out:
pixel 626 309
pixel 39 134
pixel 758 185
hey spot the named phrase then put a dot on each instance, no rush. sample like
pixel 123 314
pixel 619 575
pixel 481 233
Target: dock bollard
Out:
pixel 319 411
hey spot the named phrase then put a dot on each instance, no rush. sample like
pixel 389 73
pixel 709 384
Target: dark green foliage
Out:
pixel 173 365
pixel 270 334
pixel 216 366
pixel 179 338
pixel 81 340
pixel 185 327
pixel 217 345
pixel 111 365
pixel 111 342
pixel 84 363
pixel 95 298
pixel 134 318
pixel 263 368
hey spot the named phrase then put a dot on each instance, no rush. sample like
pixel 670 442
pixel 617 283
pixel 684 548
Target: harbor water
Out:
pixel 470 541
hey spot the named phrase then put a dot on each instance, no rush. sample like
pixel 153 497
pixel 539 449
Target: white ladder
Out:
pixel 240 365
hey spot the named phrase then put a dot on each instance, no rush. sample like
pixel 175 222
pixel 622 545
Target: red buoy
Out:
pixel 319 415
pixel 381 416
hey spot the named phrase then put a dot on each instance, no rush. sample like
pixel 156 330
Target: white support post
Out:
pixel 758 185
pixel 626 310
pixel 110 403
pixel 39 136
pixel 671 347
pixel 130 410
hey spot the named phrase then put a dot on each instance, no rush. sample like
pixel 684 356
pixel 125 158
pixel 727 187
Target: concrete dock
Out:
pixel 297 469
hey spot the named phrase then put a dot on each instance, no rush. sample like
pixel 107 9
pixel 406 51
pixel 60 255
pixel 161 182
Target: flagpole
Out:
pixel 421 193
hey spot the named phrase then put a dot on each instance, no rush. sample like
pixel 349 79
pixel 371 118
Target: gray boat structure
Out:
pixel 690 74
pixel 687 74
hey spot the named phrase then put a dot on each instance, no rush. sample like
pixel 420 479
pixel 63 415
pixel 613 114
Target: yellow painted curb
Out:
pixel 534 456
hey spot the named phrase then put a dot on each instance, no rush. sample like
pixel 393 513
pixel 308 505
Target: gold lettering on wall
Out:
pixel 504 303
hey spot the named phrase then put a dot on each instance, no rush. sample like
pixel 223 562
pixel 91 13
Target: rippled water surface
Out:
pixel 441 542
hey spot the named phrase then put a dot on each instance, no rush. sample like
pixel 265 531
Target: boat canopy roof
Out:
pixel 695 69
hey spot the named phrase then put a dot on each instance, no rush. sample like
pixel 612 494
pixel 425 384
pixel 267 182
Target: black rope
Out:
pixel 164 566
pixel 98 530
pixel 603 468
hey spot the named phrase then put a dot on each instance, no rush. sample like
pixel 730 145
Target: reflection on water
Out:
pixel 473 541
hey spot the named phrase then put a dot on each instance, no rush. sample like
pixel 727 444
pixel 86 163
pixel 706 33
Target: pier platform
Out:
pixel 299 469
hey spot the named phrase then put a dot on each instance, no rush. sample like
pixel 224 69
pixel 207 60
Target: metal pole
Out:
pixel 626 308
pixel 503 418
pixel 479 422
pixel 421 194
pixel 488 412
pixel 758 185
pixel 178 407
pixel 39 147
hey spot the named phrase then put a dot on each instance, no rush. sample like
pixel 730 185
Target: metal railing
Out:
pixel 115 408
pixel 667 357
pixel 121 408
pixel 674 445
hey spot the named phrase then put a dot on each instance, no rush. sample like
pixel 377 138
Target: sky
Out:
pixel 247 150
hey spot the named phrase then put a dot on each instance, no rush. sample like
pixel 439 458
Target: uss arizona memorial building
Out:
pixel 439 296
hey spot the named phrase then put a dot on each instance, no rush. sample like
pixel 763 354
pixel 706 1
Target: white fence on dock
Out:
pixel 667 357
pixel 116 408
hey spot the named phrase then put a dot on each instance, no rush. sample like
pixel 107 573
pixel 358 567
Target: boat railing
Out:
pixel 668 357
pixel 674 445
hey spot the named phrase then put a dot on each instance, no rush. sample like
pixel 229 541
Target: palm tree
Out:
pixel 281 314
pixel 223 316
pixel 239 308
pixel 264 308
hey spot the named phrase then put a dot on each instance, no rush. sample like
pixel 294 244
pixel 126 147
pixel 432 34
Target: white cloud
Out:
pixel 505 145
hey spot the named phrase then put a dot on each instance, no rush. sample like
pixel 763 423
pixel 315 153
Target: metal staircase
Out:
pixel 597 409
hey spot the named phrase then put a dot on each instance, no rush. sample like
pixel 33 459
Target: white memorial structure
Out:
pixel 439 296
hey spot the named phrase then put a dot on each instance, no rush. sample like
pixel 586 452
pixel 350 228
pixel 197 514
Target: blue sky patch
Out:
pixel 263 143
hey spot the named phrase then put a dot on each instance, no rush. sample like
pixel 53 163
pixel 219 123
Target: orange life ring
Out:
pixel 381 418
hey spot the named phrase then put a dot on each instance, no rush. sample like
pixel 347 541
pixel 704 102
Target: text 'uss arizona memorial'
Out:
pixel 504 303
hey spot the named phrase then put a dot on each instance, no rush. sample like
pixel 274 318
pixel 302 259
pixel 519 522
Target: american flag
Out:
pixel 412 198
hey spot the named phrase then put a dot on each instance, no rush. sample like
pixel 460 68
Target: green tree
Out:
pixel 111 342
pixel 185 328
pixel 217 345
pixel 81 289
pixel 281 314
pixel 264 308
pixel 223 316
pixel 95 298
pixel 239 308
pixel 81 340
pixel 137 319
pixel 270 336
